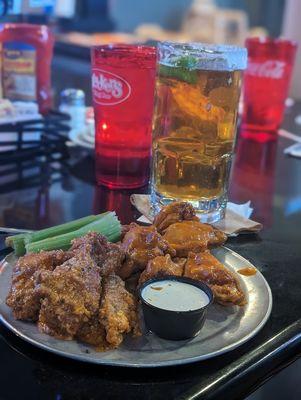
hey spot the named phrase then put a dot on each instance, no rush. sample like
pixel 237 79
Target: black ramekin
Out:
pixel 175 325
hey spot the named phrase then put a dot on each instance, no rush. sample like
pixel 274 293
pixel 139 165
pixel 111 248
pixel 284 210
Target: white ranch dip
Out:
pixel 175 296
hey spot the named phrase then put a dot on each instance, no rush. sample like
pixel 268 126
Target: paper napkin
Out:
pixel 237 219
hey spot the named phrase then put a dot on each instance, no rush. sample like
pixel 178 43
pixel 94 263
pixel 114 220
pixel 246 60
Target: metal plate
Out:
pixel 225 328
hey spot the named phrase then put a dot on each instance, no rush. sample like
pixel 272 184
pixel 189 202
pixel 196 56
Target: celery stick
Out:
pixel 61 229
pixel 9 241
pixel 19 246
pixel 108 225
pixel 114 237
pixel 52 231
pixel 64 241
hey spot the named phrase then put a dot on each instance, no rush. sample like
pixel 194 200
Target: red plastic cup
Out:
pixel 123 94
pixel 254 171
pixel 266 82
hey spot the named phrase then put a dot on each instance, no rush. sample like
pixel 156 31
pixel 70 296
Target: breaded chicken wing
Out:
pixel 108 256
pixel 118 310
pixel 93 333
pixel 22 297
pixel 71 295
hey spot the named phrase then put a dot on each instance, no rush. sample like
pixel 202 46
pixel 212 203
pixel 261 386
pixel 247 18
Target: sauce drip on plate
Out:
pixel 248 271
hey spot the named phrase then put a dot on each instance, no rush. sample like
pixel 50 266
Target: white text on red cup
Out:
pixel 109 88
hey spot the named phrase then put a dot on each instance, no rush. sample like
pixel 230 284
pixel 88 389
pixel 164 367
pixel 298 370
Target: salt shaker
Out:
pixel 72 102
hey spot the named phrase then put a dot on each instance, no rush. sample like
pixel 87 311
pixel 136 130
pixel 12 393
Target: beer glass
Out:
pixel 194 124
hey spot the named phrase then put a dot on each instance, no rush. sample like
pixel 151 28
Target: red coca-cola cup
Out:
pixel 123 94
pixel 266 82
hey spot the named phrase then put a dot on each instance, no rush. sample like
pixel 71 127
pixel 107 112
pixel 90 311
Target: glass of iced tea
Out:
pixel 194 124
pixel 123 95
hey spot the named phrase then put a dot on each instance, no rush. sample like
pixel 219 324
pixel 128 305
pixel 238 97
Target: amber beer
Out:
pixel 197 94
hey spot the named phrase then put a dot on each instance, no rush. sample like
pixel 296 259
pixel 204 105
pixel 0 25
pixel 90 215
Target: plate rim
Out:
pixel 167 363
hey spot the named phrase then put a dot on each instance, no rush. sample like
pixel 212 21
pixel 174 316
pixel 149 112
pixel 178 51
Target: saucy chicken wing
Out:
pixel 193 236
pixel 141 244
pixel 162 266
pixel 118 310
pixel 206 268
pixel 174 212
pixel 22 297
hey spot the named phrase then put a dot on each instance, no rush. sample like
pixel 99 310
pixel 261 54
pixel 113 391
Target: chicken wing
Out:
pixel 141 244
pixel 174 212
pixel 118 310
pixel 206 268
pixel 93 333
pixel 162 266
pixel 71 293
pixel 108 256
pixel 193 236
pixel 22 297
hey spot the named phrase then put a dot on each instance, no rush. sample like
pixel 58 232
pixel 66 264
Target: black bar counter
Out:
pixel 261 173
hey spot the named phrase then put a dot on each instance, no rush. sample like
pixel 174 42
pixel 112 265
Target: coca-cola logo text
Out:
pixel 268 69
pixel 109 88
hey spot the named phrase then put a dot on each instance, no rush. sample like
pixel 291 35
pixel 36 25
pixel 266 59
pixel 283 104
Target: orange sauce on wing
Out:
pixel 248 271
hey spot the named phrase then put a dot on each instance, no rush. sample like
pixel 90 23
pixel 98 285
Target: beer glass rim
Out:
pixel 203 47
pixel 125 48
pixel 207 56
pixel 267 40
